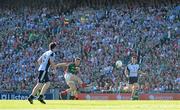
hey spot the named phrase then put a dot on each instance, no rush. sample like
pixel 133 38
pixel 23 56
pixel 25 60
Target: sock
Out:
pixel 40 96
pixel 31 97
pixel 135 95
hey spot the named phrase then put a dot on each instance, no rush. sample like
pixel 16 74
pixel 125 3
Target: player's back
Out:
pixel 44 66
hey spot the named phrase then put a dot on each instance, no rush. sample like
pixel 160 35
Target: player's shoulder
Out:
pixel 50 53
pixel 46 52
pixel 71 64
pixel 129 64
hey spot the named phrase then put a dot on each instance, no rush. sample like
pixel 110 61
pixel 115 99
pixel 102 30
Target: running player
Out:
pixel 45 61
pixel 131 72
pixel 71 78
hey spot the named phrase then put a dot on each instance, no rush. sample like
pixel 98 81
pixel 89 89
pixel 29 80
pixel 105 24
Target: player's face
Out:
pixel 77 62
pixel 134 60
pixel 55 49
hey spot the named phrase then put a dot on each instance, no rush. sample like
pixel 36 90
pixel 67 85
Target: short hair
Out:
pixel 135 56
pixel 77 58
pixel 52 45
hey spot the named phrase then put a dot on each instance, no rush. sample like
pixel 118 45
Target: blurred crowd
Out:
pixel 100 37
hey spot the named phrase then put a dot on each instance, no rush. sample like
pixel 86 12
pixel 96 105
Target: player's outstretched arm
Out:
pixel 61 65
pixel 52 64
pixel 126 72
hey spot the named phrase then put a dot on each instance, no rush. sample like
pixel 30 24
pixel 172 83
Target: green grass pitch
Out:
pixel 89 105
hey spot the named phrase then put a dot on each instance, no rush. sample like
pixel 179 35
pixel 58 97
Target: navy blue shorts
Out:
pixel 43 77
pixel 133 80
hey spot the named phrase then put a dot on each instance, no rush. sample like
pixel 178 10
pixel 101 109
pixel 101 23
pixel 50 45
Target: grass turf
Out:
pixel 89 105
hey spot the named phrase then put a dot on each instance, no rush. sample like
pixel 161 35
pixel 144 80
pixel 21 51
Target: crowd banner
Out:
pixel 20 96
pixel 162 96
pixel 127 96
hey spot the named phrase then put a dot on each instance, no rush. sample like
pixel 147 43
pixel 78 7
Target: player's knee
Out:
pixel 80 82
pixel 39 85
pixel 73 89
pixel 135 87
pixel 72 86
pixel 72 78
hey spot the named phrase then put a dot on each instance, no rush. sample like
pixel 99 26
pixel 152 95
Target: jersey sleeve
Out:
pixel 128 66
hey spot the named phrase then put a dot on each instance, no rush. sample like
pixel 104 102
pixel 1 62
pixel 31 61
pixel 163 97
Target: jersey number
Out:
pixel 44 59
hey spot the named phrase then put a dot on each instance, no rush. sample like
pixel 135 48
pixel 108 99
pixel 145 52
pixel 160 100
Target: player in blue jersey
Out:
pixel 132 72
pixel 46 60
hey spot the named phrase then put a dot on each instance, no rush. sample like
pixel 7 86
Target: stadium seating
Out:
pixel 100 36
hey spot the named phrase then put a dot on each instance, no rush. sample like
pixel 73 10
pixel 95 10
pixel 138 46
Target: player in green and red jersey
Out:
pixel 71 78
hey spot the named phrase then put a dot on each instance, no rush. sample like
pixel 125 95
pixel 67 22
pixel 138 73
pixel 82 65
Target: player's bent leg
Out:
pixel 43 90
pixel 77 79
pixel 127 89
pixel 132 92
pixel 64 94
pixel 70 80
pixel 72 89
pixel 74 95
pixel 80 82
pixel 34 92
pixel 130 88
pixel 135 94
pixel 36 88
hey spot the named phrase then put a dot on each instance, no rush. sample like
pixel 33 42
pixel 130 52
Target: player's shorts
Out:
pixel 43 77
pixel 133 80
pixel 68 76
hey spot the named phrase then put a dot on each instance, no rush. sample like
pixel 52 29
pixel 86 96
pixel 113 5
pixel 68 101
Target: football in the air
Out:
pixel 118 64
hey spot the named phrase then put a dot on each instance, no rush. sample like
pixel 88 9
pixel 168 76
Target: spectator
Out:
pixel 99 36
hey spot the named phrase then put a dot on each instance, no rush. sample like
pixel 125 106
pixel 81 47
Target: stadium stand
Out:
pixel 100 32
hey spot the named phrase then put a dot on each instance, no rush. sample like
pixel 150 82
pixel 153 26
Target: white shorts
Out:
pixel 68 76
